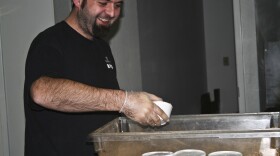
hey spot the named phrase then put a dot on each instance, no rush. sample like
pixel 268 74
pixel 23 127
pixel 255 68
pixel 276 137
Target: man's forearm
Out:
pixel 70 96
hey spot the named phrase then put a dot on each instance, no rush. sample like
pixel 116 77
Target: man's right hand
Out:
pixel 139 107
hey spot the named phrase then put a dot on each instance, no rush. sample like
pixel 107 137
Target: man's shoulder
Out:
pixel 52 32
pixel 50 37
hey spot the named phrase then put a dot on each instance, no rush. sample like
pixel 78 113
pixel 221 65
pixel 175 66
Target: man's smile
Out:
pixel 104 20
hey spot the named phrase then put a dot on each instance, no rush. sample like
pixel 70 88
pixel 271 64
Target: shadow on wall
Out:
pixel 208 106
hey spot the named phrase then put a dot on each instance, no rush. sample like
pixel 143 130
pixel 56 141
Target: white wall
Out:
pixel 126 50
pixel 172 53
pixel 4 142
pixel 20 23
pixel 220 43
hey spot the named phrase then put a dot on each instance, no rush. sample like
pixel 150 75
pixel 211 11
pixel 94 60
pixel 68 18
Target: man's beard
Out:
pixel 86 24
pixel 100 31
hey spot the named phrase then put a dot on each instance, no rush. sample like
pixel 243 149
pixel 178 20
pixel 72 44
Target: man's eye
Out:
pixel 118 5
pixel 103 3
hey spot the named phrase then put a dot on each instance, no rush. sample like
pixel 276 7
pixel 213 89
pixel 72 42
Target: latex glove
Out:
pixel 139 107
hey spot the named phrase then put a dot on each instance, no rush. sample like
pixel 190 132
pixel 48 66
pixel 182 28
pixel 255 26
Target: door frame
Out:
pixel 4 139
pixel 246 56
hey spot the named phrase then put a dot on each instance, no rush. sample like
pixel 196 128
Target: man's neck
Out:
pixel 72 21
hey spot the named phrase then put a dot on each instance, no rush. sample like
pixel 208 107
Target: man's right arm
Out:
pixel 70 96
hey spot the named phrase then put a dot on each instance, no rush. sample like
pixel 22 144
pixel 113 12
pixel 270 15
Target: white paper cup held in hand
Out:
pixel 225 153
pixel 166 107
pixel 190 152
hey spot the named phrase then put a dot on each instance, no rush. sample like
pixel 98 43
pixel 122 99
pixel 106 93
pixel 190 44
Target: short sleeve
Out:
pixel 42 60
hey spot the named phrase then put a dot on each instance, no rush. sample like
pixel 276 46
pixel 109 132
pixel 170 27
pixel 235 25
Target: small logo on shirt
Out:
pixel 108 63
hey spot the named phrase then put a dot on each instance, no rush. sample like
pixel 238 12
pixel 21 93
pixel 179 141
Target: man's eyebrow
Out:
pixel 120 1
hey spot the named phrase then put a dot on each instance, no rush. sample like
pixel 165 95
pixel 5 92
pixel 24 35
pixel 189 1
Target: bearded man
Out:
pixel 71 88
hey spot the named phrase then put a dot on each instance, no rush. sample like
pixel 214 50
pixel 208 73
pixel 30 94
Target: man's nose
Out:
pixel 110 10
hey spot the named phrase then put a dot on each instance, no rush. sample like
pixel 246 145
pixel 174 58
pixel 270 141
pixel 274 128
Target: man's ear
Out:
pixel 77 3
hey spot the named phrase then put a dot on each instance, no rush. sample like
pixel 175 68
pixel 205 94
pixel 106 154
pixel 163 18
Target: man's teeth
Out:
pixel 103 19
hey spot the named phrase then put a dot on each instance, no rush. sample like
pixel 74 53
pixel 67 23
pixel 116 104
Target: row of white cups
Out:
pixel 192 152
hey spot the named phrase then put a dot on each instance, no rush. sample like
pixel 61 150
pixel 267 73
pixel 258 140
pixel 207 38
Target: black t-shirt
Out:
pixel 61 52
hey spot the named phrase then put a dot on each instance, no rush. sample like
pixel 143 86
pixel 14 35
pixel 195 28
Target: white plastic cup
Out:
pixel 158 153
pixel 190 152
pixel 225 153
pixel 166 107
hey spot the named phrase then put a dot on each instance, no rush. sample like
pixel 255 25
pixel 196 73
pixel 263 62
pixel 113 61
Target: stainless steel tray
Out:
pixel 252 134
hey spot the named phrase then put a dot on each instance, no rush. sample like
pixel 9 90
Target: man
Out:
pixel 71 87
